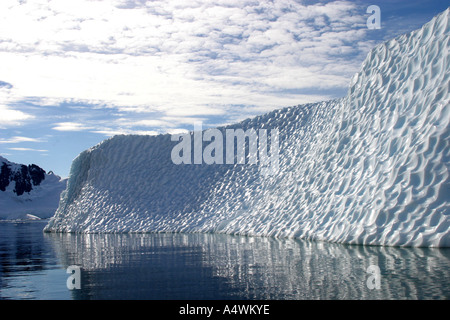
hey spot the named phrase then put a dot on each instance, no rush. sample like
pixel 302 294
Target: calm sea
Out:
pixel 33 265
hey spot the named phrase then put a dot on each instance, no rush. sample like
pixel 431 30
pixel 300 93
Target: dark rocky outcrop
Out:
pixel 25 177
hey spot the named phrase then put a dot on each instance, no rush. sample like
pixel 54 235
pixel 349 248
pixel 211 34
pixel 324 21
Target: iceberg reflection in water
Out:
pixel 219 266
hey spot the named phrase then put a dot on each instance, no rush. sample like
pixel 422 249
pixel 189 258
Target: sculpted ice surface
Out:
pixel 369 168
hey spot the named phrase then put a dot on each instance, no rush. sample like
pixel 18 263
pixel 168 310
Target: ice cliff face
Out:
pixel 28 191
pixel 370 168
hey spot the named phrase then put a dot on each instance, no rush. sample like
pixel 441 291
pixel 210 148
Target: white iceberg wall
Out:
pixel 370 168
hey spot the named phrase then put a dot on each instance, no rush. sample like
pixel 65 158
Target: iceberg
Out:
pixel 370 168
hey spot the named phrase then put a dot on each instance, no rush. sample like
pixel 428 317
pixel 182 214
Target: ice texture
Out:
pixel 370 168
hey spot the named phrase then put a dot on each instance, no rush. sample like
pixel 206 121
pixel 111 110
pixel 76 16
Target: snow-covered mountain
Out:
pixel 370 168
pixel 28 192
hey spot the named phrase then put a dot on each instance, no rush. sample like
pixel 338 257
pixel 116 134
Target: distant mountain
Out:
pixel 27 191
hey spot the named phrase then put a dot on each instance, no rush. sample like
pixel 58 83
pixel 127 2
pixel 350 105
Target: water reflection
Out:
pixel 214 266
pixel 29 268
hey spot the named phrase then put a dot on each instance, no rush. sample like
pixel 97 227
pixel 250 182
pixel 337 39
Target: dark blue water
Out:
pixel 210 266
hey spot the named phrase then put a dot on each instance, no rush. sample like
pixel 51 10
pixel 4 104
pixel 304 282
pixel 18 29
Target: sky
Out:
pixel 76 72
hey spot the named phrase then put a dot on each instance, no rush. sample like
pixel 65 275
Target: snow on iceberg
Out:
pixel 369 168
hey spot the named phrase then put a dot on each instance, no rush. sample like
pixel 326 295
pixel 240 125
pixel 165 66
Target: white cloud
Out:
pixel 18 139
pixel 178 58
pixel 112 132
pixel 70 126
pixel 10 117
pixel 27 149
